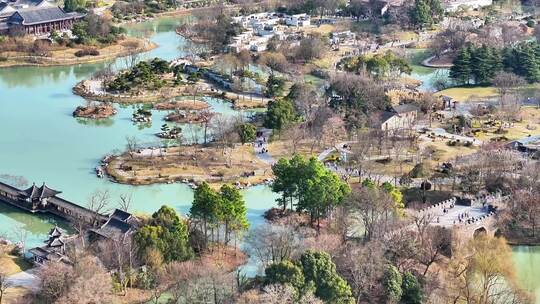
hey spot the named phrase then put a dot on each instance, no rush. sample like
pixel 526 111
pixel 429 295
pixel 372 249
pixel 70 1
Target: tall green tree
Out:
pixel 484 64
pixel 421 14
pixel 285 182
pixel 392 281
pixel 166 233
pixel 73 5
pixel 529 61
pixel 309 184
pixel 274 86
pixel 285 272
pixel 247 132
pixel 412 290
pixel 205 207
pixel 461 68
pixel 233 211
pixel 425 13
pixel 280 114
pixel 321 191
pixel 320 271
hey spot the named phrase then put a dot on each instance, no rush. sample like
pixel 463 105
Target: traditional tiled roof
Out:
pixel 55 242
pixel 113 229
pixel 56 232
pixel 77 210
pixel 45 254
pixel 117 226
pixel 121 215
pixel 39 193
pixel 38 15
pixel 405 108
pixel 3 6
pixel 9 189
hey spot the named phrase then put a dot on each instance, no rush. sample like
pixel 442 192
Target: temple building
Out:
pixel 8 7
pixel 45 200
pixel 54 249
pixel 37 197
pixel 39 19
pixel 119 226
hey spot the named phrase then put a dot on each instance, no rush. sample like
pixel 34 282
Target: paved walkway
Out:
pixel 25 279
pixel 339 147
pixel 261 144
pixel 443 133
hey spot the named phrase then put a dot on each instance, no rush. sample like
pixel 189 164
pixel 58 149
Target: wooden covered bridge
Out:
pixel 45 200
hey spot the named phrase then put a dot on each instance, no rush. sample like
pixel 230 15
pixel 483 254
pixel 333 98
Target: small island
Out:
pixel 193 164
pixel 95 111
pixel 157 79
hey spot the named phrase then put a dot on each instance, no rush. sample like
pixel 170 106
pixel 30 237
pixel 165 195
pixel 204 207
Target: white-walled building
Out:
pixel 454 5
pixel 299 20
pixel 261 27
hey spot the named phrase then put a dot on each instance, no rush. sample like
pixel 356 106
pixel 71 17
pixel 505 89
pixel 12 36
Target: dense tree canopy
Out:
pixel 285 272
pixel 73 5
pixel 481 64
pixel 425 13
pixel 280 114
pixel 378 65
pixel 213 209
pixel 315 189
pixel 274 86
pixel 144 75
pixel 166 233
pixel 247 132
pixel 320 271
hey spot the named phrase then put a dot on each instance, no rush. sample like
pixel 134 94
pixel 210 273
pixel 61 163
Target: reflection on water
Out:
pixel 41 141
pixel 104 122
pixel 36 226
pixel 527 262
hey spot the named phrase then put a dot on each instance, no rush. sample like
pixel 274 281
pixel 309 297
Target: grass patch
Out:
pixel 13 264
pixel 464 94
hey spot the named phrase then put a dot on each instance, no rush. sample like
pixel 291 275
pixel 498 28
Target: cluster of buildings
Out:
pixel 119 226
pixel 260 28
pixel 36 17
pixel 454 5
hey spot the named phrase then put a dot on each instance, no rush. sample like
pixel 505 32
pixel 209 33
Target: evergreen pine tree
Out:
pixel 480 62
pixel 529 63
pixel 421 13
pixel 461 70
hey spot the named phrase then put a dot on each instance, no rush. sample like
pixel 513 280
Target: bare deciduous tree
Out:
pixel 99 203
pixel 272 243
pixel 132 145
pixel 4 284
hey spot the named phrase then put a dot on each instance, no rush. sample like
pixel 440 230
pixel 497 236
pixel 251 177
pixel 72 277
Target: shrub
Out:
pixel 2 58
pixel 87 52
pixel 419 171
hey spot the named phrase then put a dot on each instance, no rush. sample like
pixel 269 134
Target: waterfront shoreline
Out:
pixel 189 165
pixel 52 61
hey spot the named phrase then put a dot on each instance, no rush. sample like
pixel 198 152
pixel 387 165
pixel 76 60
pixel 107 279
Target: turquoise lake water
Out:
pixel 42 142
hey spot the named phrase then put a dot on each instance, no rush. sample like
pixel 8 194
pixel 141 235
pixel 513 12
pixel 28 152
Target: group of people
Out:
pixel 452 205
pixel 260 143
pixel 464 217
